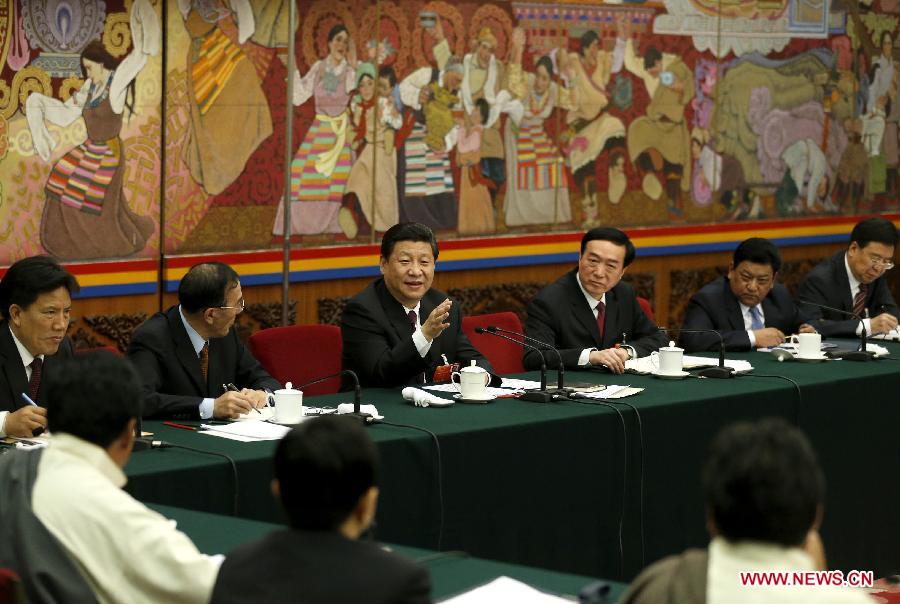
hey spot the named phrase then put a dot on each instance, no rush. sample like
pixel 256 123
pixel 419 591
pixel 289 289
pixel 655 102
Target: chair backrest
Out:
pixel 648 310
pixel 299 354
pixel 503 355
pixel 10 587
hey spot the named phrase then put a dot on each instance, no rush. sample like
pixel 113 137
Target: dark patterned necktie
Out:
pixel 34 384
pixel 859 300
pixel 414 324
pixel 204 360
pixel 601 317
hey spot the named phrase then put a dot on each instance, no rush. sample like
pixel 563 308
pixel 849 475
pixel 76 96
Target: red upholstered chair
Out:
pixel 111 349
pixel 645 304
pixel 300 354
pixel 10 588
pixel 503 355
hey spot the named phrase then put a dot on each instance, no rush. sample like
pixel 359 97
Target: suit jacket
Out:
pixel 318 567
pixel 716 307
pixel 13 380
pixel 828 284
pixel 170 372
pixel 378 342
pixel 561 316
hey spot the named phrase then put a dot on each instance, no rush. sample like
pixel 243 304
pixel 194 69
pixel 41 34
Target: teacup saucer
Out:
pixel 816 359
pixel 487 399
pixel 670 376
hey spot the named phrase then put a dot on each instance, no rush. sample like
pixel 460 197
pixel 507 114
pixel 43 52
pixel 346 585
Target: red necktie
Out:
pixel 34 384
pixel 859 300
pixel 601 317
pixel 204 360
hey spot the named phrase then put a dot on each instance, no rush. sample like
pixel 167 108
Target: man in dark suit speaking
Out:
pixel 326 474
pixel 35 301
pixel 398 330
pixel 854 280
pixel 186 354
pixel 747 307
pixel 589 314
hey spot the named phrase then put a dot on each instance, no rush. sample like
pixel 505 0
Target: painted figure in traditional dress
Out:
pixel 86 215
pixel 229 112
pixel 371 202
pixel 476 209
pixel 321 166
pixel 426 180
pixel 537 191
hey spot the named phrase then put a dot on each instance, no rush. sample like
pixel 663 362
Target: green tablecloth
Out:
pixel 450 574
pixel 542 484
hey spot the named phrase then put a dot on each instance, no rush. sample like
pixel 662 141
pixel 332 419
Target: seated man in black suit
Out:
pixel 326 472
pixel 186 354
pixel 398 330
pixel 747 307
pixel 35 301
pixel 853 280
pixel 589 314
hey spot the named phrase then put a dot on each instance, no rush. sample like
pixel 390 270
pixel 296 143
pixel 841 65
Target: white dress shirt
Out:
pixel 27 359
pixel 584 359
pixel 125 551
pixel 727 560
pixel 748 321
pixel 206 405
pixel 854 289
pixel 423 344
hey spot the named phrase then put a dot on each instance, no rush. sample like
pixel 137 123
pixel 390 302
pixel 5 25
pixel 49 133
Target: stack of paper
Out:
pixel 247 431
pixel 645 364
pixel 610 392
pixel 504 589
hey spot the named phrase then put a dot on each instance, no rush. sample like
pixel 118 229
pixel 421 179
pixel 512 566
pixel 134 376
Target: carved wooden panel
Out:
pixel 644 285
pixel 267 314
pixel 115 330
pixel 684 284
pixel 331 309
pixel 793 273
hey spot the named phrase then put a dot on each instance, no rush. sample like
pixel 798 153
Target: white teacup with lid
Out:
pixel 288 405
pixel 473 381
pixel 669 360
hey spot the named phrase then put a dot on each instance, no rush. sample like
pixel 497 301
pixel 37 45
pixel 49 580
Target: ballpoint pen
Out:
pixel 39 430
pixel 233 388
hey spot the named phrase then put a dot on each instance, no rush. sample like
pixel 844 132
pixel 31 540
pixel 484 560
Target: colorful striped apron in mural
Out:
pixel 321 167
pixel 216 60
pixel 82 176
pixel 539 164
pixel 427 172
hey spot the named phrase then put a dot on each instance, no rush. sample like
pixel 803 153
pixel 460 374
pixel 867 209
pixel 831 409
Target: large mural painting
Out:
pixel 477 119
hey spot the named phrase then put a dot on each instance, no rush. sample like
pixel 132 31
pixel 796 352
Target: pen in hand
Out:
pixel 39 430
pixel 231 387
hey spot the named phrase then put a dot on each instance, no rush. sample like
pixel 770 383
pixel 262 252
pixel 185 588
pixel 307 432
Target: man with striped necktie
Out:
pixel 854 280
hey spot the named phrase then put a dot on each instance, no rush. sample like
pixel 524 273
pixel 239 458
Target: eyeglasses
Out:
pixel 239 308
pixel 875 261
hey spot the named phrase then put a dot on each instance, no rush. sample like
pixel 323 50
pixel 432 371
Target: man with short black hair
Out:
pixel 764 492
pixel 189 353
pixel 35 301
pixel 747 307
pixel 125 552
pixel 589 314
pixel 326 476
pixel 398 330
pixel 853 280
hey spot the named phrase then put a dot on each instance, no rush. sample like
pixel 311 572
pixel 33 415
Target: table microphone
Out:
pixel 560 370
pixel 851 355
pixel 357 393
pixel 535 396
pixel 720 371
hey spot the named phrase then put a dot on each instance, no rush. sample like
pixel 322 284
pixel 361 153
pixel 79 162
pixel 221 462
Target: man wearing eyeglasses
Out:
pixel 747 307
pixel 589 314
pixel 854 281
pixel 190 356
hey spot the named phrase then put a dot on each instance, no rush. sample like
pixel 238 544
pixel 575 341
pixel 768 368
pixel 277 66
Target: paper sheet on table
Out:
pixel 504 589
pixel 610 392
pixel 490 391
pixel 247 431
pixel 893 335
pixel 265 413
pixel 645 364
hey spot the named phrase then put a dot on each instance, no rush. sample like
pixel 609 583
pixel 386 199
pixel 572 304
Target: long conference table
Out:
pixel 451 572
pixel 583 488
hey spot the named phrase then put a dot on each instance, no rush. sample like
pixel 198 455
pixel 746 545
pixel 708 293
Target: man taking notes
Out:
pixel 35 301
pixel 398 330
pixel 747 307
pixel 326 473
pixel 186 354
pixel 853 280
pixel 589 314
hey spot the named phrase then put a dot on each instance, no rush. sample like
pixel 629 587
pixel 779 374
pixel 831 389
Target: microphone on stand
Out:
pixel 535 396
pixel 850 355
pixel 560 370
pixel 365 418
pixel 720 371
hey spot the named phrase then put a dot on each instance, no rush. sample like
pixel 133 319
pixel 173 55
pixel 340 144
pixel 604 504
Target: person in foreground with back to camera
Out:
pixel 398 330
pixel 589 314
pixel 326 475
pixel 125 551
pixel 189 353
pixel 35 301
pixel 764 492
pixel 748 307
pixel 854 280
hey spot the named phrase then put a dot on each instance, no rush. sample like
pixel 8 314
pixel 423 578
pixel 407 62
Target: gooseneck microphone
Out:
pixel 535 396
pixel 560 370
pixel 720 371
pixel 357 393
pixel 850 355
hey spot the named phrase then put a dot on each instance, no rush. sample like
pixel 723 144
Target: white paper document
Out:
pixel 490 391
pixel 610 392
pixel 247 431
pixel 645 364
pixel 504 589
pixel 893 335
